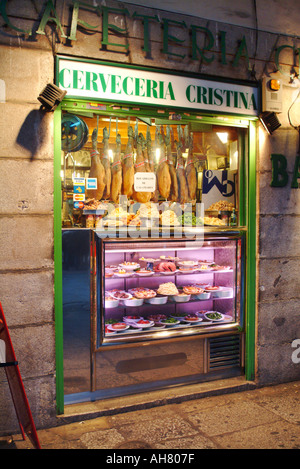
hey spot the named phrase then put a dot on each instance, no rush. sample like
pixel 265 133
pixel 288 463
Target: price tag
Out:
pixel 144 182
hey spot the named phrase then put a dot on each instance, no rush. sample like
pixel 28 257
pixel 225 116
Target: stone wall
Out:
pixel 26 189
pixel 278 322
pixel 26 230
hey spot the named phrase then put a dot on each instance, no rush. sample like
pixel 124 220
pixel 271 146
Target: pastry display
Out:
pixel 168 288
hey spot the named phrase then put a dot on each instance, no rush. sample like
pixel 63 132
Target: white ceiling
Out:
pixel 278 16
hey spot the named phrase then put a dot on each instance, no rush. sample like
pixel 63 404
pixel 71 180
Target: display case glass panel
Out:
pixel 156 289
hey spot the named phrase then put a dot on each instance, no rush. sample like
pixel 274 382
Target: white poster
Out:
pixel 218 185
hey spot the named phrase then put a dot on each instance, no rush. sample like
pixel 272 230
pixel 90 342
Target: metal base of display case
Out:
pixel 148 387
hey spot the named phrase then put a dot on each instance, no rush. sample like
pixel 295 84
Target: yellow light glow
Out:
pixel 157 154
pixel 223 136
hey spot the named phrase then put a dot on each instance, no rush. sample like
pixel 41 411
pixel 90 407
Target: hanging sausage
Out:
pixel 183 193
pixel 106 164
pixel 190 170
pixel 97 170
pixel 174 183
pixel 127 166
pixel 116 170
pixel 163 172
pixel 140 167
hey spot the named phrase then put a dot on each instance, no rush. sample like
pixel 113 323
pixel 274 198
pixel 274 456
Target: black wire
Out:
pixel 294 126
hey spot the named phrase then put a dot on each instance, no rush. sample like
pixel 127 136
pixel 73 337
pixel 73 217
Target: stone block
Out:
pixel 278 322
pixel 275 364
pixel 29 184
pixel 277 200
pixel 41 397
pixel 279 279
pixel 35 349
pixel 26 242
pixel 27 297
pixel 25 72
pixel 275 239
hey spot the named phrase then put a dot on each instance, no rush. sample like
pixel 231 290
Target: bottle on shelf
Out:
pixel 233 218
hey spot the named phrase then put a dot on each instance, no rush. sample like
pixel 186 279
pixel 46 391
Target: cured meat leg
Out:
pixel 183 192
pixel 150 158
pixel 106 164
pixel 127 166
pixel 190 172
pixel 174 183
pixel 140 167
pixel 163 172
pixel 116 171
pixel 97 170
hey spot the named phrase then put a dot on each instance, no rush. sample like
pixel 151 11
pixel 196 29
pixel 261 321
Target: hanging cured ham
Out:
pixel 97 170
pixel 140 167
pixel 116 171
pixel 174 183
pixel 106 164
pixel 163 172
pixel 183 192
pixel 190 170
pixel 127 166
pixel 151 163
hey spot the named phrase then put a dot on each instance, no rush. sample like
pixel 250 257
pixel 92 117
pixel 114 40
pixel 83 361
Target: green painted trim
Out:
pixel 58 301
pixel 251 258
pixel 80 107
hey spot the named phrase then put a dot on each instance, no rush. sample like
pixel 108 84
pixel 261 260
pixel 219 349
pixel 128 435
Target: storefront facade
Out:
pixel 135 41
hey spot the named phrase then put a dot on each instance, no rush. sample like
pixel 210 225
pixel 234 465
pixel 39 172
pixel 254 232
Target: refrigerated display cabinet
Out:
pixel 166 311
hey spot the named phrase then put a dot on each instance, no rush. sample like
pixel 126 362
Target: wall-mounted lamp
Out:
pixel 270 121
pixel 51 96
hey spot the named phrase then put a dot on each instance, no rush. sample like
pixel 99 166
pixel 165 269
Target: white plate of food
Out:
pixel 186 270
pixel 219 292
pixel 157 300
pixel 214 316
pixel 170 322
pixel 111 302
pixel 144 293
pixel 131 302
pixel 129 265
pixel 122 273
pixel 117 326
pixel 109 332
pixel 142 324
pixel 132 318
pixel 120 295
pixel 180 298
pixel 192 319
pixel 188 263
pixel 192 289
pixel 144 273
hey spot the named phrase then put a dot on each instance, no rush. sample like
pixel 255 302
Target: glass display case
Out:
pixel 164 288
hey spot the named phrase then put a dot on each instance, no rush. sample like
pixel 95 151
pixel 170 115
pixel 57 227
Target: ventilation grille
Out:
pixel 51 96
pixel 225 352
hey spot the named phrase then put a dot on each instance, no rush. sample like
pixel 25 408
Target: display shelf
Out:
pixel 220 253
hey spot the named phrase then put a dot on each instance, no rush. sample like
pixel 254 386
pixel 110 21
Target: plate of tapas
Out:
pixel 118 327
pixel 192 319
pixel 214 316
pixel 142 293
pixel 129 265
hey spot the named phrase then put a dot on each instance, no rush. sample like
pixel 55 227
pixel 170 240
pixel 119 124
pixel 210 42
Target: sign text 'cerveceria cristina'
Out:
pixel 108 82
